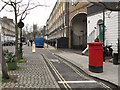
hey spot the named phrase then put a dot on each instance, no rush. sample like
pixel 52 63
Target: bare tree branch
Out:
pixel 10 3
pixel 5 2
pixel 13 4
pixel 19 2
pixel 3 7
pixel 22 18
pixel 25 9
pixel 35 7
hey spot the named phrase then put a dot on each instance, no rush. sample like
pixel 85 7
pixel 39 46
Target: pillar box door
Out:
pixel 96 57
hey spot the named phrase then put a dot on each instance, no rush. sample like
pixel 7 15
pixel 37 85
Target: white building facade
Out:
pixel 7 29
pixel 95 26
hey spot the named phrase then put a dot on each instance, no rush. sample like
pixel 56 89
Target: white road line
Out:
pixel 77 81
pixel 54 60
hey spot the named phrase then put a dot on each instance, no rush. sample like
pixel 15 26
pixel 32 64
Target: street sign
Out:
pixel 20 24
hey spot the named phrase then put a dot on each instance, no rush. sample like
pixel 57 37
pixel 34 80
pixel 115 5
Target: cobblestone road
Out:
pixel 33 73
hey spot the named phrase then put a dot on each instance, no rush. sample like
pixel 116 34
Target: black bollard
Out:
pixel 115 59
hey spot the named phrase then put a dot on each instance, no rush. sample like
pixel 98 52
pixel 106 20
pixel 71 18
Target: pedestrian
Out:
pixel 31 41
pixel 28 42
pixel 33 48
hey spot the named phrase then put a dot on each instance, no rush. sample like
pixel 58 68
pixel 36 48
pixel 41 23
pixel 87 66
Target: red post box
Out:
pixel 96 57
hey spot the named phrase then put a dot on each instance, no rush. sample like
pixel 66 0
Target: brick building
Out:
pixel 57 25
pixel 78 24
pixel 67 25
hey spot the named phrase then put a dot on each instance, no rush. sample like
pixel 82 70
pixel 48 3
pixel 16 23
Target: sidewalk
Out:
pixel 32 74
pixel 110 71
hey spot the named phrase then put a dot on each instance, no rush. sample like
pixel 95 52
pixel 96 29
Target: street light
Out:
pixel 103 34
pixel 47 35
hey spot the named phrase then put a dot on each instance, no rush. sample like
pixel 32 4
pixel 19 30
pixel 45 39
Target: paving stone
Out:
pixel 33 73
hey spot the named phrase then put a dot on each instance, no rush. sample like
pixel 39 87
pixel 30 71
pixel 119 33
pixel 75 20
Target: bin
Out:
pixel 115 59
pixel 96 57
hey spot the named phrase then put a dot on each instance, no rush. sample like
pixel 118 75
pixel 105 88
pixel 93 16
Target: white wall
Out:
pixel 111 23
pixel 119 30
pixel 119 24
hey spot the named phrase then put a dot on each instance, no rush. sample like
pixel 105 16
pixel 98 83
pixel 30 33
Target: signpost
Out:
pixel 21 25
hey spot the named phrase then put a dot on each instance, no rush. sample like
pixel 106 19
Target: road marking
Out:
pixel 55 82
pixel 77 81
pixel 55 60
pixel 100 83
pixel 57 73
pixel 60 76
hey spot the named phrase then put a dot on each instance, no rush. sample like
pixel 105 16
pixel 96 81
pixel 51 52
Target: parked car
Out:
pixel 5 43
pixel 12 42
pixel 8 43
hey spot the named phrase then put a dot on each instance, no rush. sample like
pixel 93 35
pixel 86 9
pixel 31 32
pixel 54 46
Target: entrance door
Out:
pixel 101 32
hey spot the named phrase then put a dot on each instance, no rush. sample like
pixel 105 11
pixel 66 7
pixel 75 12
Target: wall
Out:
pixel 119 32
pixel 75 9
pixel 56 22
pixel 7 29
pixel 111 29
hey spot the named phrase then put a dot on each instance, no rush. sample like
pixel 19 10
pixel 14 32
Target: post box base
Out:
pixel 96 69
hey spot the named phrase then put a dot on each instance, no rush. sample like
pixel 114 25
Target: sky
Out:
pixel 37 16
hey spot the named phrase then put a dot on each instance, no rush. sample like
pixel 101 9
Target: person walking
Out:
pixel 31 41
pixel 28 42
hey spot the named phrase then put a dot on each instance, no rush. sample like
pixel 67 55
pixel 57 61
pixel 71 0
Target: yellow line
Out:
pixel 57 86
pixel 73 68
pixel 56 72
pixel 61 76
pixel 53 69
pixel 100 83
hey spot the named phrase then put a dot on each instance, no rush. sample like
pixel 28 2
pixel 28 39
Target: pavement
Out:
pixel 0 64
pixel 32 74
pixel 110 72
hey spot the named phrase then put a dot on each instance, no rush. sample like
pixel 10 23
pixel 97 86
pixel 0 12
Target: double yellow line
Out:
pixel 82 75
pixel 66 85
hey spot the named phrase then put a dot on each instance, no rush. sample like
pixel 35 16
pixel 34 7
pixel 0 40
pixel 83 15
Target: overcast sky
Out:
pixel 38 15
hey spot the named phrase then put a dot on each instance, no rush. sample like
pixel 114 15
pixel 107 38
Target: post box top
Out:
pixel 95 43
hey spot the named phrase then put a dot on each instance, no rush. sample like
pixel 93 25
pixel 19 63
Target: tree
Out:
pixel 20 10
pixel 3 62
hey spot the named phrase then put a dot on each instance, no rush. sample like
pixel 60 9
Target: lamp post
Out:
pixel 21 25
pixel 103 34
pixel 47 35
